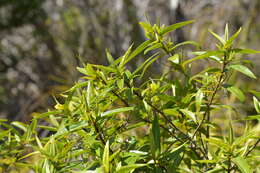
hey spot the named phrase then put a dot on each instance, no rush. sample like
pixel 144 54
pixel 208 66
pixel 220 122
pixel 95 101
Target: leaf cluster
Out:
pixel 116 120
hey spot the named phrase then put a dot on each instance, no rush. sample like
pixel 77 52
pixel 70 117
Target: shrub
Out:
pixel 120 120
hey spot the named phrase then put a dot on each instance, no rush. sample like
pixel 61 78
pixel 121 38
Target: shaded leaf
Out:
pixel 156 143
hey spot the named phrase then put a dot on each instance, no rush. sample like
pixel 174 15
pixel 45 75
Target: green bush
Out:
pixel 117 120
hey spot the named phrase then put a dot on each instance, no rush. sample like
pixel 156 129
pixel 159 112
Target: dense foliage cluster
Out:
pixel 118 120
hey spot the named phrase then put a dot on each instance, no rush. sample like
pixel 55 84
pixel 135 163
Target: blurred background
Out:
pixel 41 40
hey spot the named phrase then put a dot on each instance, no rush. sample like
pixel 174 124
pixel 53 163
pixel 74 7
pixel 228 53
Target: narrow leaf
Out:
pixel 237 92
pixel 242 165
pixel 138 50
pixel 109 57
pixel 226 32
pixel 218 37
pixel 20 125
pixel 233 37
pixel 253 117
pixel 129 168
pixel 106 158
pixel 184 43
pixel 199 97
pixel 205 55
pixel 116 111
pixel 174 27
pixel 156 144
pixel 172 112
pixel 256 104
pixel 189 114
pixel 243 69
pixel 245 51
pixel 155 46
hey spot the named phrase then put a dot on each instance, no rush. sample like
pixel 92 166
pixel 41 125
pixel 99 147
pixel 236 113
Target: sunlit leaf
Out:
pixel 242 165
pixel 129 168
pixel 153 47
pixel 20 125
pixel 105 159
pixel 116 111
pixel 218 37
pixel 256 104
pixel 245 51
pixel 243 69
pixel 205 55
pixel 237 92
pixel 189 114
pixel 174 27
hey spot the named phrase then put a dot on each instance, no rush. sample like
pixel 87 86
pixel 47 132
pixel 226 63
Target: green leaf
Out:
pixel 226 32
pixel 46 114
pixel 231 134
pixel 89 93
pixel 172 112
pixel 28 155
pixel 87 70
pixel 243 69
pixel 256 93
pixel 38 142
pixel 20 125
pixel 184 43
pixel 105 68
pixel 156 143
pixel 109 57
pixel 82 70
pixel 174 27
pixel 218 37
pixel 129 168
pixel 77 86
pixel 242 164
pixel 175 58
pixel 138 50
pixel 216 170
pixel 146 26
pixel 125 57
pixel 189 114
pixel 199 97
pixel 219 143
pixel 205 55
pixel 232 38
pixel 245 51
pixel 154 46
pixel 237 92
pixel 256 104
pixel 116 111
pixel 253 117
pixel 146 63
pixel 106 158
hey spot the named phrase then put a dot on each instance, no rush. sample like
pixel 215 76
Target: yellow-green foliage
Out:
pixel 119 120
